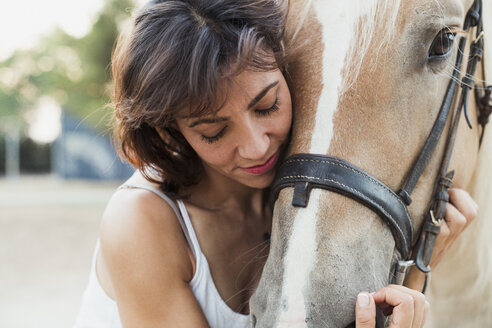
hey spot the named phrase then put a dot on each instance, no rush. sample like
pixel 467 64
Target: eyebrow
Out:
pixel 253 102
pixel 208 121
pixel 261 94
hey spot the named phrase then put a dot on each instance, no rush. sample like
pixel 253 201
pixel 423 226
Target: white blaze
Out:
pixel 298 264
pixel 338 19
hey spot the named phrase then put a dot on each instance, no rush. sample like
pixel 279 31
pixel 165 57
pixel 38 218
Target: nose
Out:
pixel 254 142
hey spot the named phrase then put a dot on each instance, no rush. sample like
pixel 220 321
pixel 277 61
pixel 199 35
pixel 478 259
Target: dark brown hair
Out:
pixel 171 63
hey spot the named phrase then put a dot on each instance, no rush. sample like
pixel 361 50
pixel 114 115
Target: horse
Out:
pixel 368 81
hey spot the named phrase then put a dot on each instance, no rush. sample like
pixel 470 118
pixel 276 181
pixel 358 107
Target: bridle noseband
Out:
pixel 307 171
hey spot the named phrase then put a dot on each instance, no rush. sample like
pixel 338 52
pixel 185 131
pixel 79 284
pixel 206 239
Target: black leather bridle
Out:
pixel 307 171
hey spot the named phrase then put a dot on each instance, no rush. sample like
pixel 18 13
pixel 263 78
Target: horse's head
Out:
pixel 368 84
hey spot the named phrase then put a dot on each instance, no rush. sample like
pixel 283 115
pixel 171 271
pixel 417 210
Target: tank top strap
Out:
pixel 189 227
pixel 180 211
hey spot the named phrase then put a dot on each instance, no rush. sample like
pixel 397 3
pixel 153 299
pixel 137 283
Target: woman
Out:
pixel 203 111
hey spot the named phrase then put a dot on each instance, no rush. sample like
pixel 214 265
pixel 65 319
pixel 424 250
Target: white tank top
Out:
pixel 98 310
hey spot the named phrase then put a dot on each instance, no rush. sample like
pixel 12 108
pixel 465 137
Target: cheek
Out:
pixel 209 153
pixel 214 155
pixel 284 122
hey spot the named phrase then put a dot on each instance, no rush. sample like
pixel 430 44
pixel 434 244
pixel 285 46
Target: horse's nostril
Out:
pixel 253 320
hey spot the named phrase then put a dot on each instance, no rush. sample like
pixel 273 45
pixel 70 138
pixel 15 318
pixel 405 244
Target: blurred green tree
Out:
pixel 73 71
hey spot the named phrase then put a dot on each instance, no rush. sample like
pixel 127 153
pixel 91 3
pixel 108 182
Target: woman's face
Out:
pixel 242 141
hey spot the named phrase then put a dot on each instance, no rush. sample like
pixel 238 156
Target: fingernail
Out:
pixel 363 299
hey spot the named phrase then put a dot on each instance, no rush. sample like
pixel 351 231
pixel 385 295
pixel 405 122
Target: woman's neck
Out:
pixel 215 192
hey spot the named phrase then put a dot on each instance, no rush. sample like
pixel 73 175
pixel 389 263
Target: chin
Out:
pixel 258 182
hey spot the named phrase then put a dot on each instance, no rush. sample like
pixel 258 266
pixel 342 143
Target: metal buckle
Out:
pixel 434 221
pixel 401 269
pixel 481 35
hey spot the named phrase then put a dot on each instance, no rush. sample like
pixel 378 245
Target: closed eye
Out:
pixel 268 111
pixel 214 138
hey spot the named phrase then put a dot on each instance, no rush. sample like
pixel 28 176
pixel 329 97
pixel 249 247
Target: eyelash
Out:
pixel 215 138
pixel 259 112
pixel 268 111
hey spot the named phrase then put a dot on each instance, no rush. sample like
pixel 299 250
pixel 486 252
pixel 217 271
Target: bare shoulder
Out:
pixel 148 262
pixel 140 230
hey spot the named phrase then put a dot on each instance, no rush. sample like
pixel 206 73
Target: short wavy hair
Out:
pixel 172 62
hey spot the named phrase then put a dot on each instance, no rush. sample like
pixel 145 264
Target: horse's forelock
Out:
pixel 378 16
pixel 350 30
pixel 375 28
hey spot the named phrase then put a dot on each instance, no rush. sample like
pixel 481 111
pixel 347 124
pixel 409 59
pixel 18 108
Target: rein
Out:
pixel 307 171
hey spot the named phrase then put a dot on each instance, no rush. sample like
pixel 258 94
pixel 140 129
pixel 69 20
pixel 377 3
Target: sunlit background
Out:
pixel 58 166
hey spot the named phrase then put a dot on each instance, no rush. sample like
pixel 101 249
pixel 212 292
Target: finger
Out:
pixel 455 221
pixel 444 240
pixel 460 211
pixel 444 232
pixel 419 303
pixel 402 302
pixel 385 308
pixel 462 200
pixel 365 311
pixel 426 311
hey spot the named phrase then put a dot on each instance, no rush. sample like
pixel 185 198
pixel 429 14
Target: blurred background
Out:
pixel 58 166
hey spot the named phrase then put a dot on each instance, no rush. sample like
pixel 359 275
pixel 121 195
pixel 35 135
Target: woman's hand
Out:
pixel 460 212
pixel 409 307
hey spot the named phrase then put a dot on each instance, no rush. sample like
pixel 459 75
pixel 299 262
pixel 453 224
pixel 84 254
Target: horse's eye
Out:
pixel 442 44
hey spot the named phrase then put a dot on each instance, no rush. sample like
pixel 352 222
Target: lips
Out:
pixel 263 168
